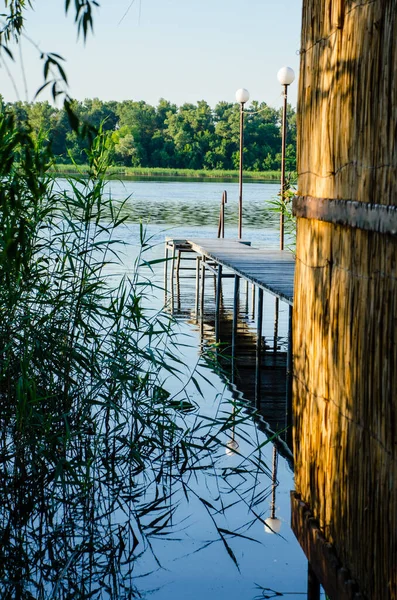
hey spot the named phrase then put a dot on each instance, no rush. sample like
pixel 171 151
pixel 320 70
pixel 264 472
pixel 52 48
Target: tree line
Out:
pixel 191 136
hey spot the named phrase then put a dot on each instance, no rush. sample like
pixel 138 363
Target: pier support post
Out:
pixel 198 259
pixel 246 296
pixel 276 316
pixel 253 288
pixel 202 298
pixel 165 273
pixel 178 291
pixel 172 276
pixel 218 303
pixel 178 262
pixel 235 320
pixel 258 372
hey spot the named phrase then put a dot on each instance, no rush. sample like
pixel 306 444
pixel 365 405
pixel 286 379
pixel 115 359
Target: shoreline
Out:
pixel 159 173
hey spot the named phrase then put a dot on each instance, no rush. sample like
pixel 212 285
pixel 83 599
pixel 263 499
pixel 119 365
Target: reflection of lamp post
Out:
pixel 285 76
pixel 232 444
pixel 242 96
pixel 272 523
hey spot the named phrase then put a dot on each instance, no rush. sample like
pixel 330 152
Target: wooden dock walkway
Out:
pixel 270 270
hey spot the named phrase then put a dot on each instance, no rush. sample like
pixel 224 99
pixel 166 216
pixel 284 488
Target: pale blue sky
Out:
pixel 180 50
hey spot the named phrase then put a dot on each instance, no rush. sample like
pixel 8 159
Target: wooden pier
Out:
pixel 267 270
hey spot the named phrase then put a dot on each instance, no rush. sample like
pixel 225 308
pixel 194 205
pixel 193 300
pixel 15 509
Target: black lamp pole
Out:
pixel 240 196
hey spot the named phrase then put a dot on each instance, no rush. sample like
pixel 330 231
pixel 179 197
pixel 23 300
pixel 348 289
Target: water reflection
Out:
pixel 262 383
pixel 81 527
pixel 176 203
pixel 83 519
pixel 273 523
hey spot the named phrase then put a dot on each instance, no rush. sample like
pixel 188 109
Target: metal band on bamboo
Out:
pixel 359 215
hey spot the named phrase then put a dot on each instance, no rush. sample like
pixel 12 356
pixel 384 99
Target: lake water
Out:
pixel 192 562
pixel 276 564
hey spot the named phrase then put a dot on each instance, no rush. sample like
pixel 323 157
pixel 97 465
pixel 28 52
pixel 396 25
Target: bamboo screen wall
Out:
pixel 345 307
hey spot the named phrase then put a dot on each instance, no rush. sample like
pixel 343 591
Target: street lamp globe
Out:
pixel 286 75
pixel 242 95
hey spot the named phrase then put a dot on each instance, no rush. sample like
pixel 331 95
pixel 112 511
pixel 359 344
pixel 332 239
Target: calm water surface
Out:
pixel 192 563
pixel 197 204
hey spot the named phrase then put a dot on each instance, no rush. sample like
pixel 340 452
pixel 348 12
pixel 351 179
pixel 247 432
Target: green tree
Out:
pixel 191 129
pixel 192 136
pixel 95 112
pixel 41 116
pixel 141 120
pixel 125 152
pixel 225 147
pixel 261 135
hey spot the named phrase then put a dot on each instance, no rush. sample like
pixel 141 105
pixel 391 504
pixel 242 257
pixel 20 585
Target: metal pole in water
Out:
pixel 202 297
pixel 165 272
pixel 221 225
pixel 276 313
pixel 235 319
pixel 224 201
pixel 178 262
pixel 172 276
pixel 253 301
pixel 246 296
pixel 218 303
pixel 258 372
pixel 178 291
pixel 198 258
pixel 289 378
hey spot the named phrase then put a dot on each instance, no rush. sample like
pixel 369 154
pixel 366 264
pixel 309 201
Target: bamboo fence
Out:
pixel 345 303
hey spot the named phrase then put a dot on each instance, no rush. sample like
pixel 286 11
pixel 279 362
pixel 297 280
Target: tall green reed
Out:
pixel 95 452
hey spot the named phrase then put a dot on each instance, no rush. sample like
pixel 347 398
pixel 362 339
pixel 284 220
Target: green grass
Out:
pixel 174 173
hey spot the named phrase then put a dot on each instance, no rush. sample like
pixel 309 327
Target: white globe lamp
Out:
pixel 286 75
pixel 242 95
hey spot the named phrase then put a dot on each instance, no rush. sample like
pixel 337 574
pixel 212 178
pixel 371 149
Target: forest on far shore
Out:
pixel 191 136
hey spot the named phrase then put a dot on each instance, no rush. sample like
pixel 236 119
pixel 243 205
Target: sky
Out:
pixel 180 50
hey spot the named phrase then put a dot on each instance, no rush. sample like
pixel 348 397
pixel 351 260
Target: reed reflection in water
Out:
pixel 82 517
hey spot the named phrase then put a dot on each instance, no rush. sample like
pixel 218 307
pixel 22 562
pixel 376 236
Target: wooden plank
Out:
pixel 271 270
pixel 360 215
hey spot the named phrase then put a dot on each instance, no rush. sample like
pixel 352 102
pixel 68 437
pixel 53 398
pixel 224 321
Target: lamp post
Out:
pixel 285 76
pixel 242 96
